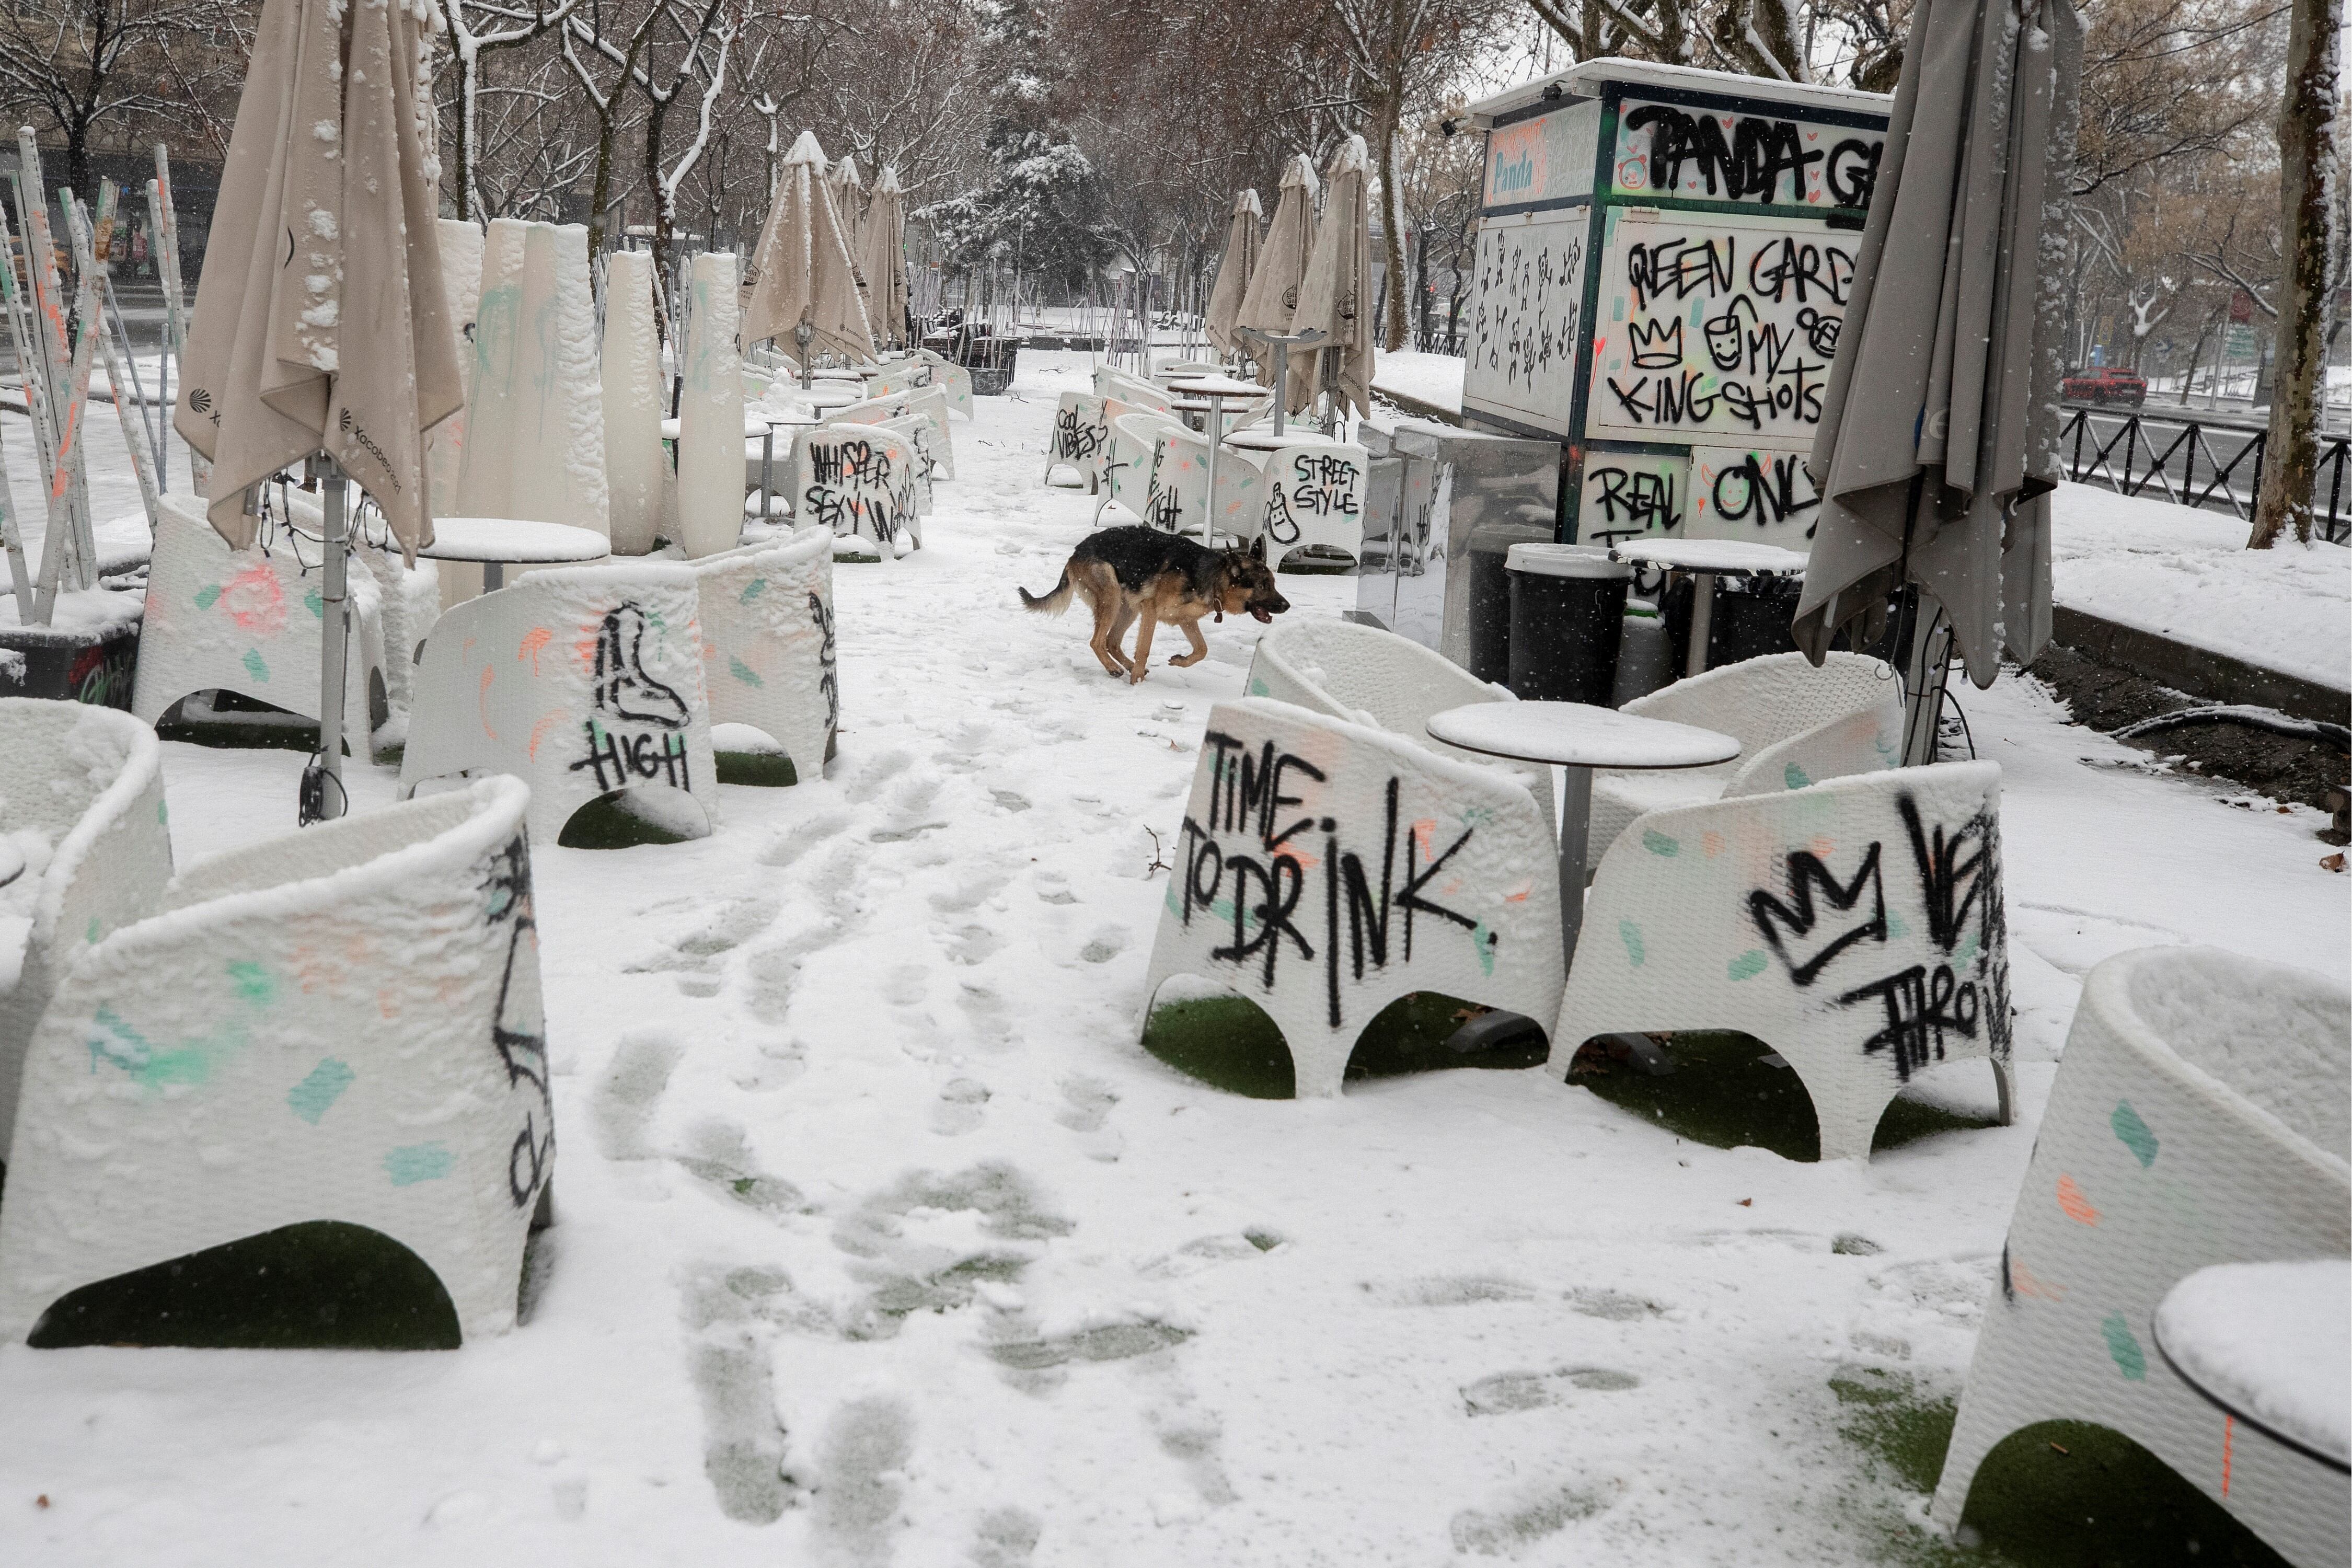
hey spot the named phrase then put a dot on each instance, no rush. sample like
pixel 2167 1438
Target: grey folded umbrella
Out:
pixel 1335 291
pixel 1272 298
pixel 882 257
pixel 1939 442
pixel 1233 273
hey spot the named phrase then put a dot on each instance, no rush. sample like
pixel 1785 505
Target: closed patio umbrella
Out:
pixel 882 256
pixel 1939 442
pixel 848 198
pixel 804 275
pixel 320 325
pixel 1272 298
pixel 1335 293
pixel 1242 244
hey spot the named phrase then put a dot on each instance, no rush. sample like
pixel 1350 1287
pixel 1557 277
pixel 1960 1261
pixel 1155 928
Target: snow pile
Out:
pixel 2275 1340
pixel 1432 379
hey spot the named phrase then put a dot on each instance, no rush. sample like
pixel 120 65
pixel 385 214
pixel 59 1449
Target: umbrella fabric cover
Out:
pixel 848 198
pixel 1241 242
pixel 319 319
pixel 1272 296
pixel 1335 295
pixel 632 385
pixel 803 269
pixel 1939 442
pixel 536 422
pixel 882 256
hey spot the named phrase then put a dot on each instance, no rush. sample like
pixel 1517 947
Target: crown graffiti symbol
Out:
pixel 1656 347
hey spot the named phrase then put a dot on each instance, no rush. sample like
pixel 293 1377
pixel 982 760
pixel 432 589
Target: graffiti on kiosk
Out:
pixel 1668 150
pixel 1523 330
pixel 1771 493
pixel 1630 496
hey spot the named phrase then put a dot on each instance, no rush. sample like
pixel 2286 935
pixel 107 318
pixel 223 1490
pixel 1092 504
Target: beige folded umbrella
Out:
pixel 1335 293
pixel 320 318
pixel 802 273
pixel 1272 296
pixel 848 198
pixel 882 256
pixel 1242 244
pixel 1937 448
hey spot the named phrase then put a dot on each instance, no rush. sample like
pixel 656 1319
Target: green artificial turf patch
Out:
pixel 1227 1042
pixel 320 1285
pixel 2062 1494
pixel 1724 1094
pixel 607 823
pixel 767 770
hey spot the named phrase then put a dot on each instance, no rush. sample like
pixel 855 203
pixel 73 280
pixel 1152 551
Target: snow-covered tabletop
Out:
pixel 756 426
pixel 1711 555
pixel 513 541
pixel 2271 1344
pixel 1216 386
pixel 1265 440
pixel 1579 736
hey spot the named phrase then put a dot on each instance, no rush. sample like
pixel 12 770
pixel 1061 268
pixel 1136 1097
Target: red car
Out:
pixel 2107 385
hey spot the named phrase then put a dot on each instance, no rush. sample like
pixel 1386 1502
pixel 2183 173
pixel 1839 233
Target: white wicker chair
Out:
pixel 249 622
pixel 1080 439
pixel 1128 388
pixel 344 1024
pixel 952 379
pixel 2199 1117
pixel 920 403
pixel 767 643
pixel 582 681
pixel 1367 675
pixel 856 481
pixel 922 440
pixel 1134 460
pixel 1177 495
pixel 89 784
pixel 1765 704
pixel 1326 868
pixel 1857 926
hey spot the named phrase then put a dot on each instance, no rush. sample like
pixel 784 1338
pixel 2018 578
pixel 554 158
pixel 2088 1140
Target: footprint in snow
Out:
pixel 1085 1111
pixel 1207 1252
pixel 1507 1392
pixel 959 1111
pixel 1006 1538
pixel 1504 1531
pixel 1442 1291
pixel 1107 944
pixel 742 1437
pixel 628 1096
pixel 860 1494
pixel 718 1155
pixel 1613 1305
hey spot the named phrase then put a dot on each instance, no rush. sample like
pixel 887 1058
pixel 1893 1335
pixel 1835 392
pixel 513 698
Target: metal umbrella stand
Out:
pixel 1281 344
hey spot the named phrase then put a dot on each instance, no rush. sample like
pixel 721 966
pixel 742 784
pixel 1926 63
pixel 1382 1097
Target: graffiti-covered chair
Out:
pixel 1855 926
pixel 249 621
pixel 1176 498
pixel 343 1025
pixel 1306 492
pixel 953 380
pixel 1326 868
pixel 1134 461
pixel 2199 1118
pixel 1080 439
pixel 929 402
pixel 1127 387
pixel 857 482
pixel 1372 676
pixel 1796 725
pixel 81 825
pixel 767 643
pixel 582 681
pixel 922 440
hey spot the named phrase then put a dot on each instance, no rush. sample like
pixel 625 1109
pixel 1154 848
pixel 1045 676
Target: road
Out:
pixel 2219 447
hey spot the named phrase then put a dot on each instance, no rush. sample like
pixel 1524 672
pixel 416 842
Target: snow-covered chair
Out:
pixel 1314 496
pixel 922 439
pixel 1372 676
pixel 952 379
pixel 1795 724
pixel 1326 868
pixel 340 1025
pixel 767 643
pixel 249 621
pixel 922 403
pixel 580 680
pixel 81 801
pixel 1135 389
pixel 1134 448
pixel 2199 1117
pixel 1857 926
pixel 1177 498
pixel 856 481
pixel 904 376
pixel 1080 440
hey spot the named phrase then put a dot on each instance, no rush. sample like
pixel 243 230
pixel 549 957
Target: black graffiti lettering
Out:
pixel 518 1025
pixel 1322 486
pixel 1949 870
pixel 1682 266
pixel 1525 322
pixel 624 690
pixel 1749 162
pixel 1076 440
pixel 1852 172
pixel 1284 881
pixel 1770 487
pixel 1922 1007
pixel 1642 499
pixel 829 679
pixel 1798 916
pixel 1802 271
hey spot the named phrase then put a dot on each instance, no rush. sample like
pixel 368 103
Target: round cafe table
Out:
pixel 498 543
pixel 1578 738
pixel 1215 389
pixel 1704 559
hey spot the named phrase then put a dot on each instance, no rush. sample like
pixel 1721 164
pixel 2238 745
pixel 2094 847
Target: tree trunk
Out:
pixel 601 193
pixel 2291 459
pixel 1392 240
pixel 663 216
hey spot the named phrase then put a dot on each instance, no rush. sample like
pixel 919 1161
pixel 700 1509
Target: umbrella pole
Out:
pixel 1927 667
pixel 323 798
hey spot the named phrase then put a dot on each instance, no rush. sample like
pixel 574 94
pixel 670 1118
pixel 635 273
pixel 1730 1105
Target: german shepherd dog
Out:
pixel 1135 574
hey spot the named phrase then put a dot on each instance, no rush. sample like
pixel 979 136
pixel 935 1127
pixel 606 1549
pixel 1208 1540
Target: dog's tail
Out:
pixel 1051 604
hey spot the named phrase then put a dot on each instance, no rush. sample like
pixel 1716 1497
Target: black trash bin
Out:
pixel 1567 601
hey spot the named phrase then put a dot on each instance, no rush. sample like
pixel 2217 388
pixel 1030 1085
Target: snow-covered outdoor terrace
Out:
pixel 882 1240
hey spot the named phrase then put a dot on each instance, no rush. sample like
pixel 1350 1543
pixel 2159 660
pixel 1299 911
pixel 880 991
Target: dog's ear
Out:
pixel 1257 549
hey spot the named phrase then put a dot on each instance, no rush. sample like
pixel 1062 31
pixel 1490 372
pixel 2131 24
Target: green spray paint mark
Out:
pixel 1630 935
pixel 2131 1360
pixel 162 812
pixel 742 672
pixel 1748 966
pixel 133 1054
pixel 1897 928
pixel 316 604
pixel 1258 687
pixel 255 666
pixel 1657 842
pixel 418 1163
pixel 310 1099
pixel 253 983
pixel 208 595
pixel 1966 952
pixel 752 590
pixel 1795 776
pixel 2134 1133
pixel 91 936
pixel 1483 941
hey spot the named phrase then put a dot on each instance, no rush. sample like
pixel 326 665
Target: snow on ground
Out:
pixel 2144 562
pixel 858 1140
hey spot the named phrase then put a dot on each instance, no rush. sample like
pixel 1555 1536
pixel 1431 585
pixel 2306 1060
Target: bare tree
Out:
pixel 92 66
pixel 2306 133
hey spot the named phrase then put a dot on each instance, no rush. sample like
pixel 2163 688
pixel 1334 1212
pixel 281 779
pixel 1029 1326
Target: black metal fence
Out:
pixel 2214 467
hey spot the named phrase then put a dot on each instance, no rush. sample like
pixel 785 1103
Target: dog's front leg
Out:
pixel 1199 645
pixel 1140 665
